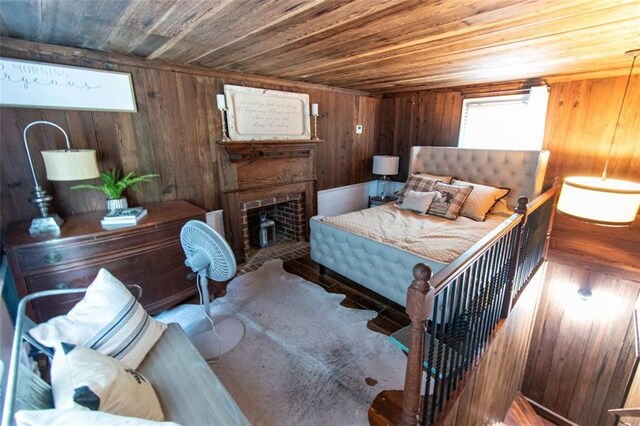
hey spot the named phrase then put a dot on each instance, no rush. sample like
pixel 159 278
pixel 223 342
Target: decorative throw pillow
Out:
pixel 56 417
pixel 82 378
pixel 481 200
pixel 108 319
pixel 450 201
pixel 501 208
pixel 445 179
pixel 418 202
pixel 418 183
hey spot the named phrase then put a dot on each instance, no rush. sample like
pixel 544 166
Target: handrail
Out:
pixel 453 315
pixel 455 268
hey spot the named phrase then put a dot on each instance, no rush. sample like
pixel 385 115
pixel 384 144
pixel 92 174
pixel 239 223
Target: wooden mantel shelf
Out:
pixel 269 142
pixel 253 150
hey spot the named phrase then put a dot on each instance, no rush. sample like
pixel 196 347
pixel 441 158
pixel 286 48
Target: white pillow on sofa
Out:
pixel 108 319
pixel 82 378
pixel 55 417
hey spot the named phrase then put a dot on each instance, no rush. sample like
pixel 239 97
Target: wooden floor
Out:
pixel 391 316
pixel 521 413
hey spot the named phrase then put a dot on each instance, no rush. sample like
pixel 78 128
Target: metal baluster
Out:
pixel 430 361
pixel 442 348
pixel 454 330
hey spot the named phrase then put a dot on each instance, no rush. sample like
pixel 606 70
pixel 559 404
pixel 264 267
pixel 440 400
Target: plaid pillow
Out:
pixel 450 202
pixel 417 183
pixel 445 179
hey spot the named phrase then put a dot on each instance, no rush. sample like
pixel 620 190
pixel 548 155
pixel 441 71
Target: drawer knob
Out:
pixel 53 257
pixel 61 286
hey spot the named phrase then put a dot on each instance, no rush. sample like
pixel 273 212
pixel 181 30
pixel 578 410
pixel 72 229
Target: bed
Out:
pixel 383 261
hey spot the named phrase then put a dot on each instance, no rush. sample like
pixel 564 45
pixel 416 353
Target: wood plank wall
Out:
pixel 173 133
pixel 581 351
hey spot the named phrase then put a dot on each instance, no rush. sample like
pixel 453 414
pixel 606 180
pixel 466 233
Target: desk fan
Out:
pixel 210 257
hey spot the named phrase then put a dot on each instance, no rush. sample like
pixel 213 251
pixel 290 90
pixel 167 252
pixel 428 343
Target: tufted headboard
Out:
pixel 522 171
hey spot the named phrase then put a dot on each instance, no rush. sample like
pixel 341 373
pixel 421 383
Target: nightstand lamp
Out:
pixel 385 165
pixel 61 165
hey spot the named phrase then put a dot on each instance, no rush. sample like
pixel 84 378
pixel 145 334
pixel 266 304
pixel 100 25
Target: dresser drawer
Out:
pixel 55 255
pixel 164 279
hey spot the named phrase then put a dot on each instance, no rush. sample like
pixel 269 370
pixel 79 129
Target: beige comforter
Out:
pixel 428 236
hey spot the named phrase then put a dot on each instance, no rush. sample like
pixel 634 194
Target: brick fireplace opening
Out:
pixel 287 211
pixel 276 176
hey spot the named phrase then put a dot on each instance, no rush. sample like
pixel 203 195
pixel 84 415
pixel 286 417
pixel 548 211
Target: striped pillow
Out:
pixel 108 319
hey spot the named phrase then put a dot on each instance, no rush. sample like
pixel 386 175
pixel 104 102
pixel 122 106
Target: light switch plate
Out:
pixel 359 128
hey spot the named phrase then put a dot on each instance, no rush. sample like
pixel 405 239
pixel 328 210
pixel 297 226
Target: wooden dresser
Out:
pixel 148 254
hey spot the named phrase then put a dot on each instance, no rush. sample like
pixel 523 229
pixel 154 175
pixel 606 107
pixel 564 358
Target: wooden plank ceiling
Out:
pixel 372 45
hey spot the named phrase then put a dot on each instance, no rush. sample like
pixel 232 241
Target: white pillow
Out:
pixel 55 417
pixel 108 319
pixel 82 378
pixel 419 202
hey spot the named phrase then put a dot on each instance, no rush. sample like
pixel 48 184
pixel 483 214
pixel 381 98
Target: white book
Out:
pixel 125 218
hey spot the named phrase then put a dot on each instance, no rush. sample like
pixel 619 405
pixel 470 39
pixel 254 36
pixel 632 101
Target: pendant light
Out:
pixel 601 200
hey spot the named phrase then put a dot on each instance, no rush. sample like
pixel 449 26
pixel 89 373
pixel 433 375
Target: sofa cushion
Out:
pixel 108 319
pixel 57 417
pixel 82 378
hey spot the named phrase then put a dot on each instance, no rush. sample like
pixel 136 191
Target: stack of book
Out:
pixel 120 218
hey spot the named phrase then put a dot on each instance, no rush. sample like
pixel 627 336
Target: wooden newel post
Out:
pixel 419 308
pixel 513 268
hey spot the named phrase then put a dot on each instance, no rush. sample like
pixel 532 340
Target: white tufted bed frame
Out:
pixel 387 270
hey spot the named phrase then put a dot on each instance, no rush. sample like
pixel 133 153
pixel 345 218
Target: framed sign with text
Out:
pixel 260 114
pixel 30 84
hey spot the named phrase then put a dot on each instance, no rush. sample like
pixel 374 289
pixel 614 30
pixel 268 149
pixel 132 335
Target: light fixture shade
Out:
pixel 67 165
pixel 601 201
pixel 385 165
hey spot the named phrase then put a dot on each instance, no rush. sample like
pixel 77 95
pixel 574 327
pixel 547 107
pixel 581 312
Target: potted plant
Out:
pixel 114 185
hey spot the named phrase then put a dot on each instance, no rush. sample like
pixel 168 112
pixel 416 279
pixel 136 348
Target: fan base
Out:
pixel 208 344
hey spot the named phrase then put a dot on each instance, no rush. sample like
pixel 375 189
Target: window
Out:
pixel 504 122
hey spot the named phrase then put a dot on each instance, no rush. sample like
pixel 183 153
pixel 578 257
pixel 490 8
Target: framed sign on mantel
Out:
pixel 261 114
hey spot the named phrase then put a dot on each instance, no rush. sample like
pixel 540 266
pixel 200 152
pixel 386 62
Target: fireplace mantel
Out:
pixel 250 151
pixel 264 169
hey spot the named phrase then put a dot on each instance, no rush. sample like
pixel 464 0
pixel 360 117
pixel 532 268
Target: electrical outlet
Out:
pixel 359 128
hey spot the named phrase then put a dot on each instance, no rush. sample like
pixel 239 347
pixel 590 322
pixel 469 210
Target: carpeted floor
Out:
pixel 304 360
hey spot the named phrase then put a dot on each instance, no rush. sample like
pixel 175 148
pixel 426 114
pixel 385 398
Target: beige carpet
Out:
pixel 304 360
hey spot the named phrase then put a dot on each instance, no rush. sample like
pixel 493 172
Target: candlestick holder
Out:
pixel 315 137
pixel 225 136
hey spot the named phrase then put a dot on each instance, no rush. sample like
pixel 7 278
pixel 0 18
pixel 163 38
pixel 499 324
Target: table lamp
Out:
pixel 61 165
pixel 385 165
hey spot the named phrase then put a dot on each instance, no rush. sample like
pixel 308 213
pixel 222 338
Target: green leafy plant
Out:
pixel 113 184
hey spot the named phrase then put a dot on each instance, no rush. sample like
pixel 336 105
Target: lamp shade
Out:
pixel 74 164
pixel 601 201
pixel 385 165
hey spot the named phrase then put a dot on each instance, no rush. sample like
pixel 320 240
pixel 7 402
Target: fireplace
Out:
pixel 287 211
pixel 278 177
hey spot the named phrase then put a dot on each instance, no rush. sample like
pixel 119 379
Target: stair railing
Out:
pixel 454 313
